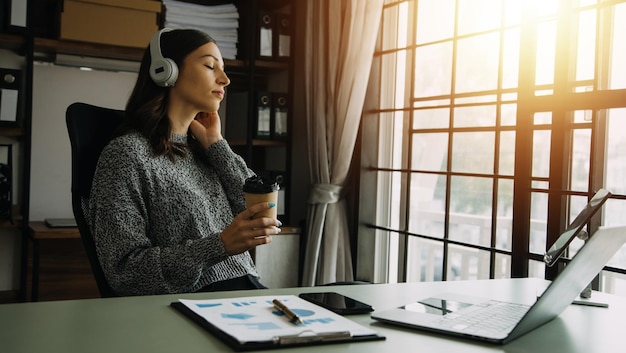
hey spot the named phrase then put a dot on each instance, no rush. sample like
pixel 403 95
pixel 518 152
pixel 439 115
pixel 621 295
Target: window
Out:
pixel 489 125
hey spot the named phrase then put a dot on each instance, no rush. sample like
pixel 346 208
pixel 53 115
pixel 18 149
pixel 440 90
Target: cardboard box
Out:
pixel 128 23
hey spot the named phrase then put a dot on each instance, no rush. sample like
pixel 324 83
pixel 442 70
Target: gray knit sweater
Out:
pixel 157 223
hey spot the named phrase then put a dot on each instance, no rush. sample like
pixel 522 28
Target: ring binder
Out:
pixel 283 36
pixel 10 84
pixel 15 15
pixel 279 116
pixel 6 182
pixel 263 115
pixel 265 33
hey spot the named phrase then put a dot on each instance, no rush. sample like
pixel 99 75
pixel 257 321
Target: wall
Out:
pixel 54 89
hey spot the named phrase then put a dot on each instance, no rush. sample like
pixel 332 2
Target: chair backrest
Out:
pixel 90 129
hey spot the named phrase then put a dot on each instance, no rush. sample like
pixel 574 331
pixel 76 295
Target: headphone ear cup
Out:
pixel 173 74
pixel 164 72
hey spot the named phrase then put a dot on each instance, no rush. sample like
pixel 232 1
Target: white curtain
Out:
pixel 340 40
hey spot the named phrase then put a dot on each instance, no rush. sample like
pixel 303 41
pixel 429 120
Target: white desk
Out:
pixel 149 324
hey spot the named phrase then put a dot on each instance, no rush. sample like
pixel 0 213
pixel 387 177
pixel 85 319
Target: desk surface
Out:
pixel 149 324
pixel 39 230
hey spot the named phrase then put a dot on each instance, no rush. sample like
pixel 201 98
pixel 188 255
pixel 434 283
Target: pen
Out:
pixel 288 313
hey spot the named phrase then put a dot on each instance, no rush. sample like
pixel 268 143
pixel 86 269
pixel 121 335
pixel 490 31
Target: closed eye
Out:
pixel 210 67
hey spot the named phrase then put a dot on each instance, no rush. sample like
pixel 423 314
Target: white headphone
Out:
pixel 163 71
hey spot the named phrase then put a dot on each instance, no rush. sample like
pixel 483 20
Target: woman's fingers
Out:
pixel 256 208
pixel 245 232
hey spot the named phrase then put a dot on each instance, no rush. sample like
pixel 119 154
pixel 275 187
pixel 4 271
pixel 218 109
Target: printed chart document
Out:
pixel 251 323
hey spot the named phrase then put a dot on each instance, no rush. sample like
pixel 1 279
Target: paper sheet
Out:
pixel 254 319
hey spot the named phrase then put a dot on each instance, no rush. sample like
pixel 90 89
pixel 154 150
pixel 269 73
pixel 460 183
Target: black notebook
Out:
pixel 254 323
pixel 60 222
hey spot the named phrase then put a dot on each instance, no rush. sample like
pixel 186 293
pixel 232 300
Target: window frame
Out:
pixel 375 261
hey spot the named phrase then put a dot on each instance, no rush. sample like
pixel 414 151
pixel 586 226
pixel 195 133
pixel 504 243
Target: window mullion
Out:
pixel 523 144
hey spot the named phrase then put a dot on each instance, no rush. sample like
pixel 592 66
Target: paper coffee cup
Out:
pixel 257 190
pixel 253 199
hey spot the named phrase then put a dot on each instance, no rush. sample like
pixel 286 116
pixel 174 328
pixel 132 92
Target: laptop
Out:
pixel 500 322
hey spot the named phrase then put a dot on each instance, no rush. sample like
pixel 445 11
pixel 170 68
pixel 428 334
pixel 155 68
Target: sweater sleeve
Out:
pixel 132 263
pixel 232 171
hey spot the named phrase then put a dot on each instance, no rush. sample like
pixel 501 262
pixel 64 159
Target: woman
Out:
pixel 167 209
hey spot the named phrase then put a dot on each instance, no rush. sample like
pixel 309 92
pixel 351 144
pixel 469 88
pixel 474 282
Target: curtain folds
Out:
pixel 340 40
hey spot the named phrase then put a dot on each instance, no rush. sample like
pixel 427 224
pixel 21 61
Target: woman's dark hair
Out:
pixel 146 109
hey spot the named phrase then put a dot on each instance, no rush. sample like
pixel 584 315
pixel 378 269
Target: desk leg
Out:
pixel 35 279
pixel 24 269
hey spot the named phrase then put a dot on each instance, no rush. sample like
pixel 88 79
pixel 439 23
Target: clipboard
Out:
pixel 212 323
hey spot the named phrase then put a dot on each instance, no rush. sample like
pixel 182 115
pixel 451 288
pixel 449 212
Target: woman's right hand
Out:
pixel 245 233
pixel 206 128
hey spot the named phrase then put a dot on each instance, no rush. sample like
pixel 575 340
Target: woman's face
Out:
pixel 201 80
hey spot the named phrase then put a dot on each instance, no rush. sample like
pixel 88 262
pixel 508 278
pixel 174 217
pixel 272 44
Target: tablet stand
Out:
pixel 585 294
pixel 576 229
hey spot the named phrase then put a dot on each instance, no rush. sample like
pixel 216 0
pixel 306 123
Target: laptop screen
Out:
pixel 559 246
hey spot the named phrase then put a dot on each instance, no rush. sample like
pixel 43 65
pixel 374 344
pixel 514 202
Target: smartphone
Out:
pixel 337 303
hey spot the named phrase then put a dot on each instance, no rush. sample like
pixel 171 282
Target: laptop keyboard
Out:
pixel 486 319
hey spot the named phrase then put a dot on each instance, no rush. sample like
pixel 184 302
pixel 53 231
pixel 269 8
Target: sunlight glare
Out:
pixel 403 15
pixel 618 49
pixel 546 43
pixel 479 15
pixel 435 20
pixel 586 45
pixel 540 8
pixel 513 12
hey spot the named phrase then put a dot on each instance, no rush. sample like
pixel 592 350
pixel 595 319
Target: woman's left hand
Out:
pixel 207 128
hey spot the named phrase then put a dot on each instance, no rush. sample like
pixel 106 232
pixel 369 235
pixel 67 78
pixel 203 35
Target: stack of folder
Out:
pixel 220 21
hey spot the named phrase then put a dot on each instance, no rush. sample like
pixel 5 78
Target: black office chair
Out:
pixel 90 128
